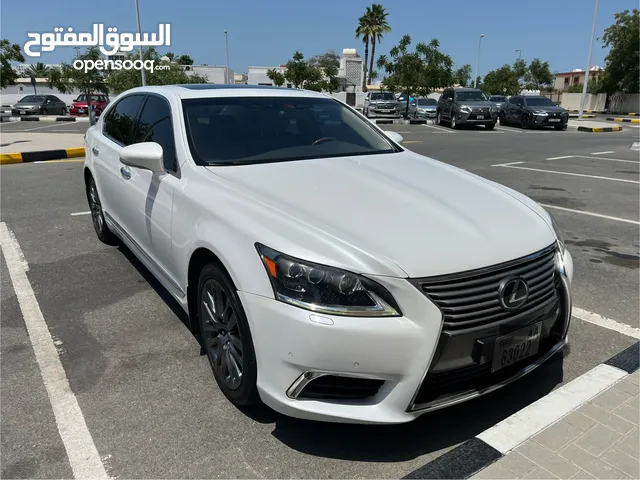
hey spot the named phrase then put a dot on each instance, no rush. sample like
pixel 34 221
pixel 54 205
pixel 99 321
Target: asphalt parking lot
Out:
pixel 147 395
pixel 44 127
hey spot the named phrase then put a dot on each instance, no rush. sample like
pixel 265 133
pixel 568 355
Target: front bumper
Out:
pixel 375 111
pixel 427 114
pixel 403 354
pixel 29 111
pixel 464 118
pixel 550 120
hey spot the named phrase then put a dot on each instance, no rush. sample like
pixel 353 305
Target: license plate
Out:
pixel 81 110
pixel 22 112
pixel 554 119
pixel 480 117
pixel 516 346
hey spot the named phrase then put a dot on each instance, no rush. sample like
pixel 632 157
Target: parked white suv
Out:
pixel 330 273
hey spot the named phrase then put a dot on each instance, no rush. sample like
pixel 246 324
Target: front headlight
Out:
pixel 559 234
pixel 324 289
pixel 465 109
pixel 541 113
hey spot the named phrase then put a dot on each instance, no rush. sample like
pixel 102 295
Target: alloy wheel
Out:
pixel 221 335
pixel 96 209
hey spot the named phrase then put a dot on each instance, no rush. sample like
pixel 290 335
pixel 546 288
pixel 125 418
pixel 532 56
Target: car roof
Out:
pixel 465 89
pixel 208 90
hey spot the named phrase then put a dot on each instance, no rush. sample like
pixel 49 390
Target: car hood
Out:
pixel 427 107
pixel 486 104
pixel 548 109
pixel 373 214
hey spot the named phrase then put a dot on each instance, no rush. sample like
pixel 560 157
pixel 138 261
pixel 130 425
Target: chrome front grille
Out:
pixel 471 299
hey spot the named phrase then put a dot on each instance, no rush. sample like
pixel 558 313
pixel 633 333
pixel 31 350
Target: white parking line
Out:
pixel 61 124
pixel 510 130
pixel 597 177
pixel 602 153
pixel 440 129
pixel 592 214
pixel 559 158
pixel 608 159
pixel 75 214
pixel 506 164
pixel 605 322
pixel 83 455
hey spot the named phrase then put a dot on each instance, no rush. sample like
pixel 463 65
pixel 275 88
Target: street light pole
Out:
pixel 226 42
pixel 583 99
pixel 143 73
pixel 519 50
pixel 475 78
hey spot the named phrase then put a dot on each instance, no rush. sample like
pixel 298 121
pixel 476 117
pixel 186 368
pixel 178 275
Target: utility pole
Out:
pixel 226 43
pixel 143 73
pixel 583 99
pixel 475 78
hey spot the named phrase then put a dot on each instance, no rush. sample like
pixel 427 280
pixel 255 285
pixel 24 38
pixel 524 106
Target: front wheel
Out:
pixel 503 119
pixel 438 118
pixel 97 215
pixel 524 122
pixel 44 111
pixel 560 127
pixel 452 121
pixel 63 111
pixel 226 337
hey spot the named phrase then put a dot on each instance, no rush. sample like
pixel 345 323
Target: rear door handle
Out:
pixel 95 151
pixel 125 172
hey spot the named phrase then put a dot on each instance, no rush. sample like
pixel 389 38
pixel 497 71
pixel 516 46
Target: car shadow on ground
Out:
pixel 431 432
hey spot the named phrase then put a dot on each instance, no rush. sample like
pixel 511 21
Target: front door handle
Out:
pixel 125 172
pixel 95 151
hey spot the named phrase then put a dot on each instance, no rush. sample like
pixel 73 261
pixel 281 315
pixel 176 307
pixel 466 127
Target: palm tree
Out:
pixel 378 27
pixel 39 70
pixel 364 31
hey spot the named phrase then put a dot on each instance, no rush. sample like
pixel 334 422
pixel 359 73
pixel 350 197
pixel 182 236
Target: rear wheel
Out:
pixel 97 215
pixel 44 111
pixel 226 336
pixel 63 111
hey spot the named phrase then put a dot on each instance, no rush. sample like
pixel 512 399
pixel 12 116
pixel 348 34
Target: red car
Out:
pixel 79 105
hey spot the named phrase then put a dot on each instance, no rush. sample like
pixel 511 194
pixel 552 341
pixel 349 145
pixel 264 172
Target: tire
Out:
pixel 491 126
pixel 226 337
pixel 97 215
pixel 438 118
pixel 44 111
pixel 503 119
pixel 63 112
pixel 524 122
pixel 560 127
pixel 452 121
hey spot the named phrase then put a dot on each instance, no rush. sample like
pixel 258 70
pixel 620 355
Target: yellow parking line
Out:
pixel 75 160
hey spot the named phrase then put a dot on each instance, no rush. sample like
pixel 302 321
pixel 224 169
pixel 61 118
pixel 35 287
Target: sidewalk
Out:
pixel 35 142
pixel 592 126
pixel 598 440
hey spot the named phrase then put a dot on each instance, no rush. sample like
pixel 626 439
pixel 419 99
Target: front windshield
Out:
pixel 83 98
pixel 427 101
pixel 470 97
pixel 497 98
pixel 539 102
pixel 245 130
pixel 383 96
pixel 32 99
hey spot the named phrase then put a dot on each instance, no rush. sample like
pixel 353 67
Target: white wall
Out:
pixel 13 94
pixel 214 74
pixel 625 103
pixel 571 101
pixel 258 75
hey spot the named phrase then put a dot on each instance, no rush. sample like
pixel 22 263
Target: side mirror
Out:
pixel 146 155
pixel 48 101
pixel 395 136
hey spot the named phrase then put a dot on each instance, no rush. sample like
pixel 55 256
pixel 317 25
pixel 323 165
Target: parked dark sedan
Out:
pixel 529 111
pixel 39 105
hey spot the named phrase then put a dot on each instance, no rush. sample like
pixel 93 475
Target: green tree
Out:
pixel 462 76
pixel 538 75
pixel 9 52
pixel 39 70
pixel 622 64
pixel 121 80
pixel 276 77
pixel 595 86
pixel 364 31
pixel 171 56
pixel 502 81
pixel 418 72
pixel 184 60
pixel 66 79
pixel 328 59
pixel 301 74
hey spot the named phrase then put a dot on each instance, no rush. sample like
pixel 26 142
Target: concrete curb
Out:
pixel 477 453
pixel 45 119
pixel 587 111
pixel 624 120
pixel 623 113
pixel 9 158
pixel 600 129
pixel 583 116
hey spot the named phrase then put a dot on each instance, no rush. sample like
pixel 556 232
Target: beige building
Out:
pixel 566 79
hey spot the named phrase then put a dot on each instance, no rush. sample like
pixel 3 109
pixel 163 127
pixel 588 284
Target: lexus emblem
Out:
pixel 513 293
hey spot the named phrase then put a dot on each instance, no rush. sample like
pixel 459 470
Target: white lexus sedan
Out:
pixel 329 272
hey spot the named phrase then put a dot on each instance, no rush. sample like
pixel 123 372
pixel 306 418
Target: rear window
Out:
pixel 243 130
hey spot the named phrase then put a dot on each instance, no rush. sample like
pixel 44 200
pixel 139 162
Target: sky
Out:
pixel 267 32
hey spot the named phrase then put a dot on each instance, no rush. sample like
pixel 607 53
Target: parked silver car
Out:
pixel 424 108
pixel 381 104
pixel 39 105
